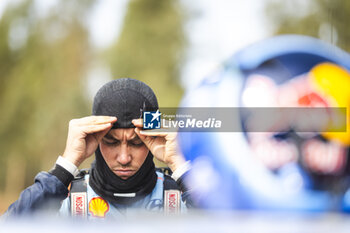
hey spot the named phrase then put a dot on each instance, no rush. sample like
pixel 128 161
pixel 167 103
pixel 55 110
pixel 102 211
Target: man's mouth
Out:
pixel 124 173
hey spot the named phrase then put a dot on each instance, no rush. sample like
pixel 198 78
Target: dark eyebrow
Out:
pixel 108 136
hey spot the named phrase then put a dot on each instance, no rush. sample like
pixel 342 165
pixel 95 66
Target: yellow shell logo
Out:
pixel 98 207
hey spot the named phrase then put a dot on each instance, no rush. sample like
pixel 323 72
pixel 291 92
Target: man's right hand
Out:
pixel 84 135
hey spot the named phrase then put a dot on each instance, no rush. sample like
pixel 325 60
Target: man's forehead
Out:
pixel 120 134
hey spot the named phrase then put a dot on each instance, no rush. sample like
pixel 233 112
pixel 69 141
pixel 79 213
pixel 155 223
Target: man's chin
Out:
pixel 124 177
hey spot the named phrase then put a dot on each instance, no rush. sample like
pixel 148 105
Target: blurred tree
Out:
pixel 325 19
pixel 43 57
pixel 150 48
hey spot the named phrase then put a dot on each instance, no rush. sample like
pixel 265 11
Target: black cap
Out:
pixel 126 99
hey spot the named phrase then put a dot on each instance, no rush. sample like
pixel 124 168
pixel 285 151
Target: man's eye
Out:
pixel 136 143
pixel 111 142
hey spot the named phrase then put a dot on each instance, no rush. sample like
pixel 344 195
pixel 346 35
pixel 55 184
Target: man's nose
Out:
pixel 124 157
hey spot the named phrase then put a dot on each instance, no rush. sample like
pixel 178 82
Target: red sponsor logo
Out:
pixel 79 206
pixel 172 203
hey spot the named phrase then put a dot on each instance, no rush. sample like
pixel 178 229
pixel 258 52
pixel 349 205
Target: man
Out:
pixel 123 175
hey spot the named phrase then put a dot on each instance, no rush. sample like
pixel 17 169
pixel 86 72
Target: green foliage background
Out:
pixel 43 80
pixel 311 17
pixel 150 48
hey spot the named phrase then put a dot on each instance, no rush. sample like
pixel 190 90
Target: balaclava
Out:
pixel 126 99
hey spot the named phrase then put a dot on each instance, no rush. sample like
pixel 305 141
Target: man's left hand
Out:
pixel 163 145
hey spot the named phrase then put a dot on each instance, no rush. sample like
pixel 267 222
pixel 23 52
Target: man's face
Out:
pixel 123 151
